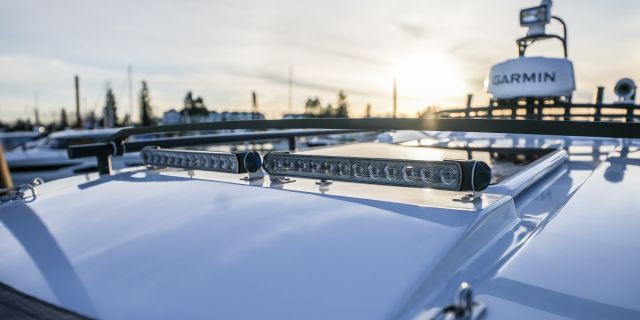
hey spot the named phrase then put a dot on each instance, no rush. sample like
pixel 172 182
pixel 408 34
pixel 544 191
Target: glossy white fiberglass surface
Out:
pixel 158 243
pixel 164 245
pixel 583 263
pixel 534 207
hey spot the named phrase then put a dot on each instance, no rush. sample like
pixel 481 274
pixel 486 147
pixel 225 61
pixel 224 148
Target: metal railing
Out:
pixel 556 111
pixel 116 144
pixel 549 109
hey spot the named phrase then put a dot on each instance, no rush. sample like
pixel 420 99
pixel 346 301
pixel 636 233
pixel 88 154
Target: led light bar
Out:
pixel 240 162
pixel 468 175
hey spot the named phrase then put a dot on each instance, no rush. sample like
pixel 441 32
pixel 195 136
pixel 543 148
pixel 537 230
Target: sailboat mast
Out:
pixel 129 71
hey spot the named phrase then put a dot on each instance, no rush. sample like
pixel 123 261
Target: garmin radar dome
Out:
pixel 533 77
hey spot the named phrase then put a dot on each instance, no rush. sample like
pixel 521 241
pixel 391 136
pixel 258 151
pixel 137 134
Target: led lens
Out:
pixel 360 169
pixel 410 173
pixel 448 176
pixel 330 167
pixel 316 167
pixel 288 164
pixel 392 172
pixel 302 166
pixel 343 168
pixel 276 165
pixel 427 174
pixel 375 171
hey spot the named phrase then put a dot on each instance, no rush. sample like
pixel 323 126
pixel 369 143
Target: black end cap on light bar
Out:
pixel 248 161
pixel 478 179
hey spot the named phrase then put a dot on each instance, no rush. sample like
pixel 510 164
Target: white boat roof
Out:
pixel 172 243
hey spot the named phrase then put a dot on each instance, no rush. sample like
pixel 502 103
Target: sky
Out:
pixel 438 51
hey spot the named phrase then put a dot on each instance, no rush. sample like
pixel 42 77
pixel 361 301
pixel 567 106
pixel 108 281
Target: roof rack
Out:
pixel 115 145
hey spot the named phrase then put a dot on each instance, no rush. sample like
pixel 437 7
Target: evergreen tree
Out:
pixel 328 112
pixel 188 101
pixel 145 106
pixel 367 112
pixel 194 106
pixel 110 118
pixel 307 106
pixel 21 125
pixel 312 106
pixel 64 122
pixel 342 111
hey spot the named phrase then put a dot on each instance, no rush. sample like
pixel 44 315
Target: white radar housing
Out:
pixel 535 77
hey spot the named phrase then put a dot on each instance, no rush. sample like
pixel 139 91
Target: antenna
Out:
pixel 77 86
pixel 395 99
pixel 290 86
pixel 35 109
pixel 129 71
pixel 254 104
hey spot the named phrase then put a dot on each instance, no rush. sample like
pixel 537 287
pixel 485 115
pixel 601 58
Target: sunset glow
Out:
pixel 224 50
pixel 427 78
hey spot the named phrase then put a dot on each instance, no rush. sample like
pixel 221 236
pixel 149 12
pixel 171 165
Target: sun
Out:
pixel 428 79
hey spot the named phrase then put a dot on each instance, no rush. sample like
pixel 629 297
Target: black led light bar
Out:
pixel 454 175
pixel 239 162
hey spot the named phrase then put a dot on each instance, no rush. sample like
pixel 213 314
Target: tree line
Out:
pixel 192 106
pixel 314 109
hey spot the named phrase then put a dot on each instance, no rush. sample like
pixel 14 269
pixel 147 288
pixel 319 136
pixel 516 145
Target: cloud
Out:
pixel 319 86
pixel 225 49
pixel 412 29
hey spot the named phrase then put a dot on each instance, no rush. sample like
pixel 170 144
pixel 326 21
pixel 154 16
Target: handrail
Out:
pixel 576 128
pixel 116 146
pixel 124 133
pixel 618 105
pixel 103 151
